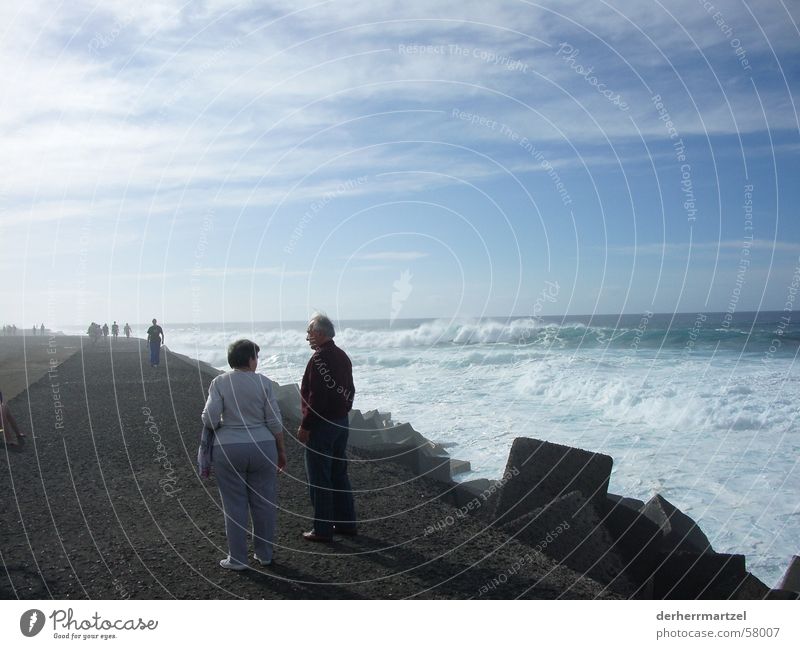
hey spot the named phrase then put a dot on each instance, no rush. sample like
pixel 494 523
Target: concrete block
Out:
pixel 289 401
pixel 751 588
pixel 459 466
pixel 356 420
pixel 687 575
pixel 373 420
pixel 481 493
pixel 631 503
pixel 543 471
pixel 568 529
pixel 777 593
pixel 637 539
pixel 403 434
pixel 791 578
pixel 681 533
pixel 416 458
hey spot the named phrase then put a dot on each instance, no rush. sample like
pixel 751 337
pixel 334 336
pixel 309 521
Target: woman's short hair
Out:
pixel 322 323
pixel 240 352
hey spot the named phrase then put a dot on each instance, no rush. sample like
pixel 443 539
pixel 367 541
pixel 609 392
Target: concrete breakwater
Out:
pixel 92 515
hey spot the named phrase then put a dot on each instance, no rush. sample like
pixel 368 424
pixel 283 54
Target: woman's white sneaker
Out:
pixel 232 565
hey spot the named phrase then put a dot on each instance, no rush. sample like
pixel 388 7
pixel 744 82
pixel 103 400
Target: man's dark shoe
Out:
pixel 345 531
pixel 313 536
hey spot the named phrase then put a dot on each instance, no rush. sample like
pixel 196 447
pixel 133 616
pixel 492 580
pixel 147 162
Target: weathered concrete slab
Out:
pixel 685 575
pixel 637 539
pixel 459 466
pixel 630 503
pixel 416 458
pixel 568 529
pixel 289 400
pixel 546 472
pixel 752 588
pixel 791 578
pixel 472 490
pixel 680 532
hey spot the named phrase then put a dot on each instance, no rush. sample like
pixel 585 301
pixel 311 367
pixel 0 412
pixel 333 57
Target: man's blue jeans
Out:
pixel 155 350
pixel 329 486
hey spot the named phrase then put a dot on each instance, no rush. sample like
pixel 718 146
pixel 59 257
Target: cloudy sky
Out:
pixel 235 161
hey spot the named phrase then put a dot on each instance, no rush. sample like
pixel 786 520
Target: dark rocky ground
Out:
pixel 88 511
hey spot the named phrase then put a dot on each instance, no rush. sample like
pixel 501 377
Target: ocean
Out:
pixel 700 408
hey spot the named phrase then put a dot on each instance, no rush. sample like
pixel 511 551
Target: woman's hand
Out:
pixel 281 461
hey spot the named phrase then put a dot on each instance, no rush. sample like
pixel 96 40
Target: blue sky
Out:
pixel 217 160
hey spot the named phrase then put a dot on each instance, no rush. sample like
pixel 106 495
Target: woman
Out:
pixel 248 452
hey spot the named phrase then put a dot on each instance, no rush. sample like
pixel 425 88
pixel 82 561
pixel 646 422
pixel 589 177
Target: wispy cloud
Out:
pixel 390 256
pixel 684 247
pixel 273 271
pixel 140 100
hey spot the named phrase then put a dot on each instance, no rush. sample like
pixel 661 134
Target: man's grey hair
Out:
pixel 322 323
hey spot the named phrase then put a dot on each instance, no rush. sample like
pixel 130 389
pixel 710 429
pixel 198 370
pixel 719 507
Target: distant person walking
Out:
pixel 34 330
pixel 127 330
pixel 327 393
pixel 105 330
pixel 115 330
pixel 247 453
pixel 155 336
pixel 94 332
pixel 8 425
pixel 42 328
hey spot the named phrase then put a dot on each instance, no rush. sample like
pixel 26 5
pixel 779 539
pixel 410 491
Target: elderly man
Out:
pixel 327 395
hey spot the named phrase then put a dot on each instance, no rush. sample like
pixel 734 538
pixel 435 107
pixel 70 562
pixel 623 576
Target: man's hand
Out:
pixel 303 435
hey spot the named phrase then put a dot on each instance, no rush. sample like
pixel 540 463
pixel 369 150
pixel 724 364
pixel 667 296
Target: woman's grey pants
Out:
pixel 246 478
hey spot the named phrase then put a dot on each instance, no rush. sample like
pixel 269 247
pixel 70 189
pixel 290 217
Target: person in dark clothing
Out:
pixel 155 336
pixel 9 429
pixel 327 393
